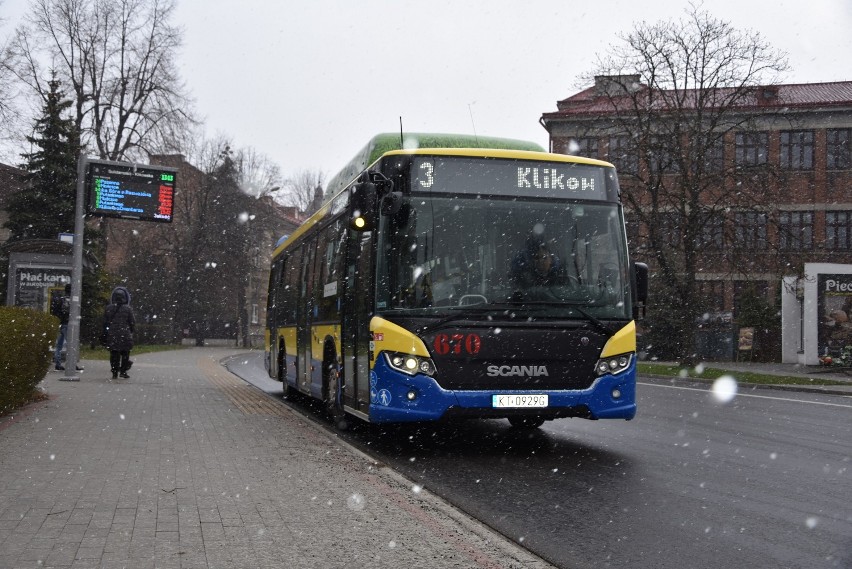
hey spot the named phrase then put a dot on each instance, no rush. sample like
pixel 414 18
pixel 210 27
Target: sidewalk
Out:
pixel 185 466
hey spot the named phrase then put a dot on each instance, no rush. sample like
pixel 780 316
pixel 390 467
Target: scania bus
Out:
pixel 442 283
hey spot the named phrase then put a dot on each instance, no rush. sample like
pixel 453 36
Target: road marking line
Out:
pixel 750 395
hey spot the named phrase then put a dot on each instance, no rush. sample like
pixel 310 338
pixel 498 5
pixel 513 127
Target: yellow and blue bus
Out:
pixel 452 281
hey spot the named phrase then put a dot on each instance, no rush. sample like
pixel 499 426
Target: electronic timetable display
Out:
pixel 508 177
pixel 130 191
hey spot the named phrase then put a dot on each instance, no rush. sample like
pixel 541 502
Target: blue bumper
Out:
pixel 390 401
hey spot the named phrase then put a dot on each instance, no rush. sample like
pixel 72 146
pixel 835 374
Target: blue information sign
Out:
pixel 130 191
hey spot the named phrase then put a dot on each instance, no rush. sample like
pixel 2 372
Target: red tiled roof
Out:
pixel 817 93
pixel 794 95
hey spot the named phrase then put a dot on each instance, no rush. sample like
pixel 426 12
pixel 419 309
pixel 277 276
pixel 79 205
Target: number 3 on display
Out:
pixel 429 170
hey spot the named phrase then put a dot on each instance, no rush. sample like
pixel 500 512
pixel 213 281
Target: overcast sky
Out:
pixel 308 83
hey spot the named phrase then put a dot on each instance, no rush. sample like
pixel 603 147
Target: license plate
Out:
pixel 514 401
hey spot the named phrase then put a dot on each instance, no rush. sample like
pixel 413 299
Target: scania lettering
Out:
pixel 519 371
pixel 469 278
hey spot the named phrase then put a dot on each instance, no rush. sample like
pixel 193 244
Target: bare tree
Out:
pixel 116 57
pixel 6 89
pixel 675 91
pixel 304 190
pixel 258 174
pixel 201 273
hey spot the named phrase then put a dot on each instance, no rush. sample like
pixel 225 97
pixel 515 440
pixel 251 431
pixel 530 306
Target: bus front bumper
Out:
pixel 397 398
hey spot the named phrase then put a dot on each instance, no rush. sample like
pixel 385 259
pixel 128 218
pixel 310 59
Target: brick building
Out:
pixel 125 239
pixel 800 212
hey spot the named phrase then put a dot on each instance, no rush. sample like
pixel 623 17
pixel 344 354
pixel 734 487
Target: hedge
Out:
pixel 25 339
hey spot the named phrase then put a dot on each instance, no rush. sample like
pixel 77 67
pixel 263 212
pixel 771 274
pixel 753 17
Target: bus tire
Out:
pixel 526 422
pixel 333 403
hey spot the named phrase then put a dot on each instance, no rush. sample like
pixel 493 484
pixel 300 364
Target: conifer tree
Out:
pixel 44 208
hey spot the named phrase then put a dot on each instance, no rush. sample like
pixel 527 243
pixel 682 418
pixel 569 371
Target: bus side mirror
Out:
pixel 363 205
pixel 640 288
pixel 391 203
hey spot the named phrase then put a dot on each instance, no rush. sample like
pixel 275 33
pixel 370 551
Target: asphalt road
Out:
pixel 761 481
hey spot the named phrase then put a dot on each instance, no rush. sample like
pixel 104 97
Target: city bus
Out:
pixel 450 282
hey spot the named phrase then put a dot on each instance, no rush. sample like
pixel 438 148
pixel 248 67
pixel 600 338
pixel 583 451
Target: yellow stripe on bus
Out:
pixel 389 337
pixel 622 342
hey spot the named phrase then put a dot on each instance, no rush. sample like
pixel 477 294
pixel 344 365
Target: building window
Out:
pixel 712 234
pixel 797 150
pixel 584 146
pixel 745 291
pixel 751 148
pixel 750 229
pixel 255 314
pixel 712 153
pixel 838 148
pixel 796 230
pixel 838 230
pixel 707 153
pixel 669 228
pixel 622 153
pixel 712 294
pixel 662 157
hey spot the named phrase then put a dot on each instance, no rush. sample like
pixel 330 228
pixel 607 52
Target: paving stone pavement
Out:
pixel 186 466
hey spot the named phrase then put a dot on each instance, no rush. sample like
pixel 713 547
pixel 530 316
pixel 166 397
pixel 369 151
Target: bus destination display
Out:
pixel 527 178
pixel 131 191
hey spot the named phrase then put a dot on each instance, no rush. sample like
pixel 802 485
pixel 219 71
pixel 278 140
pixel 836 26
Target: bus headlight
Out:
pixel 410 365
pixel 614 364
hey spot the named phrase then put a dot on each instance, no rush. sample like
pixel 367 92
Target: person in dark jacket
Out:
pixel 535 265
pixel 60 307
pixel 119 324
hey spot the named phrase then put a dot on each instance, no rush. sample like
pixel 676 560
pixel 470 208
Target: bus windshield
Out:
pixel 548 258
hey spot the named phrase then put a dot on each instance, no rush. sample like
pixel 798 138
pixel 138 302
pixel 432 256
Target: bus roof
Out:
pixel 386 142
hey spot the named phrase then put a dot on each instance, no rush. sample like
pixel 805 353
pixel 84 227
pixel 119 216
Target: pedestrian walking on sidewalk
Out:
pixel 119 324
pixel 60 306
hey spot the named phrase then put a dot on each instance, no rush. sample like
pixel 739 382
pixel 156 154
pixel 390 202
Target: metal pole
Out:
pixel 73 352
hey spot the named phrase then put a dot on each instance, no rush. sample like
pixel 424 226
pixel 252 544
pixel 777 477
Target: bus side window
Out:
pixel 321 306
pixel 307 299
pixel 291 284
pixel 273 301
pixel 333 269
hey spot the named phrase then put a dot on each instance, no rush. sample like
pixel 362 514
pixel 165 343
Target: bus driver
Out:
pixel 535 265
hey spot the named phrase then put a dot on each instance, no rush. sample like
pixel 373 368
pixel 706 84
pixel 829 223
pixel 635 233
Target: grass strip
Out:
pixel 100 353
pixel 711 373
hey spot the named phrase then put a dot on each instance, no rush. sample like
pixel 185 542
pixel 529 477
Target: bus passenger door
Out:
pixel 303 322
pixel 357 310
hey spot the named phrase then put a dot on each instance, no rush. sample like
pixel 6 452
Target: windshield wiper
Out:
pixel 576 306
pixel 467 311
